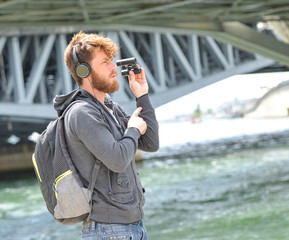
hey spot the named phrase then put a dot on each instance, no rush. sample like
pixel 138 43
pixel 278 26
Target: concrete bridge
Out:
pixel 182 45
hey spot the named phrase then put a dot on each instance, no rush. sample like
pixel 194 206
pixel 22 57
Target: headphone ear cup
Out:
pixel 83 70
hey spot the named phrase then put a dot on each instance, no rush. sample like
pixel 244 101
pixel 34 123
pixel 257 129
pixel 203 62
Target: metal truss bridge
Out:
pixel 33 69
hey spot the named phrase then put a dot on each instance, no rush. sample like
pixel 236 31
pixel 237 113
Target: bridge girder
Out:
pixel 32 69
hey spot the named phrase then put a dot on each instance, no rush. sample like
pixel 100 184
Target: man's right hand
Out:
pixel 137 122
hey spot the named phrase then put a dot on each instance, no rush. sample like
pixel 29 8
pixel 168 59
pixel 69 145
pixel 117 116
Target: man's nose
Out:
pixel 113 66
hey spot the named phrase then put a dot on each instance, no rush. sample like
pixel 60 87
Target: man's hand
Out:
pixel 138 83
pixel 137 122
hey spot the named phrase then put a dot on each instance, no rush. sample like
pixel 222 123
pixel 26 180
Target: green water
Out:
pixel 240 195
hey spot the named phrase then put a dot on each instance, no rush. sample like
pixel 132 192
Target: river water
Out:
pixel 214 180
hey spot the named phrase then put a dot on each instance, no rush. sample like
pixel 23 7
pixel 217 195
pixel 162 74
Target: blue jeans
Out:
pixel 98 231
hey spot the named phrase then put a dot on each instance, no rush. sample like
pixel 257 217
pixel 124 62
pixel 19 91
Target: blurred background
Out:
pixel 218 75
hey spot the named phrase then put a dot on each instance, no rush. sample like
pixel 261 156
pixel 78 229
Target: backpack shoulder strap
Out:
pixel 91 185
pixel 68 107
pixel 62 139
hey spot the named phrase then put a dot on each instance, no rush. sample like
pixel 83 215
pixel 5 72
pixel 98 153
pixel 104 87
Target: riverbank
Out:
pixel 16 157
pixel 216 136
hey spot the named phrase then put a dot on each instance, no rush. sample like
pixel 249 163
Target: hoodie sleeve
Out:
pixel 87 124
pixel 150 140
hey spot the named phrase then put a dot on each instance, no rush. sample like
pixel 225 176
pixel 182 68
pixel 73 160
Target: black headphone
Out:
pixel 83 69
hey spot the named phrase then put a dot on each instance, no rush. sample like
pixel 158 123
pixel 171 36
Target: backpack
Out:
pixel 65 195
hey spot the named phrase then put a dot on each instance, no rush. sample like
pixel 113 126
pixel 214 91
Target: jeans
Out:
pixel 98 231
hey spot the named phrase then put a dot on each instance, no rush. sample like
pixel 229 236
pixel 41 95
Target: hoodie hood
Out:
pixel 61 102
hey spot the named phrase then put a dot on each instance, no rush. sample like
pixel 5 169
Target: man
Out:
pixel 100 131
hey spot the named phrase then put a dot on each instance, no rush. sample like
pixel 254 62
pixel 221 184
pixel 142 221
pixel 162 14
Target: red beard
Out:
pixel 102 85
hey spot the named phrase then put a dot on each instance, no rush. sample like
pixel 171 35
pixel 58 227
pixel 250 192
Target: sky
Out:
pixel 244 86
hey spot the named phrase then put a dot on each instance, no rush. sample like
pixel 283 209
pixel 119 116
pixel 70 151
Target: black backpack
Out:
pixel 66 198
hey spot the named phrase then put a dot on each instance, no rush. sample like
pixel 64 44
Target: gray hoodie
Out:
pixel 94 134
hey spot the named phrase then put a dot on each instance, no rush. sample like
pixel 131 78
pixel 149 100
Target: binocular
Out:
pixel 128 64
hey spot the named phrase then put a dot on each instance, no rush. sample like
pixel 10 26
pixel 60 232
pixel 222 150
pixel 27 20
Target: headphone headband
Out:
pixel 74 55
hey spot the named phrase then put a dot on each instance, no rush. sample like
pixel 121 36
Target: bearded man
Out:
pixel 99 130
